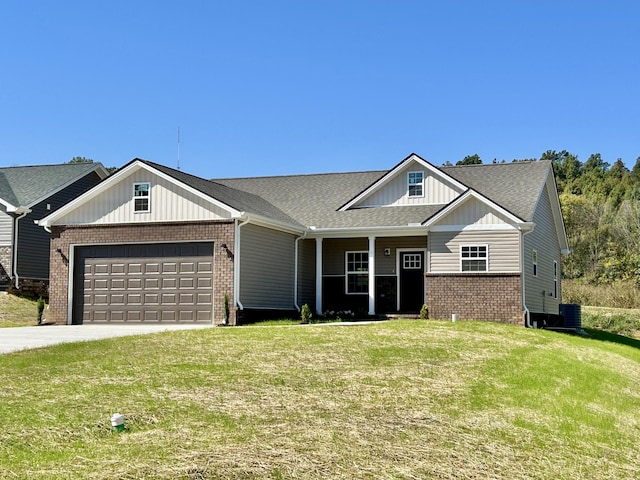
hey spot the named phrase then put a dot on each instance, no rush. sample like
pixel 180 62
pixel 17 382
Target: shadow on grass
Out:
pixel 612 337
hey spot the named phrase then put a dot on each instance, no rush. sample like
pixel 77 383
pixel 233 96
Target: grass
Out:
pixel 17 311
pixel 400 399
pixel 620 321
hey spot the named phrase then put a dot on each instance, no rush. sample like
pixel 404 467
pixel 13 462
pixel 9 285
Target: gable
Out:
pixel 169 201
pixel 429 186
pixel 436 189
pixel 473 214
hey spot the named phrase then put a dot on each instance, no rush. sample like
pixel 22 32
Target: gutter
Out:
pixel 236 263
pixel 22 212
pixel 531 226
pixel 295 271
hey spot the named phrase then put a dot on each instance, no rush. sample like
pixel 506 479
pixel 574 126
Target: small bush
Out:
pixel 40 304
pixel 227 311
pixel 424 312
pixel 305 313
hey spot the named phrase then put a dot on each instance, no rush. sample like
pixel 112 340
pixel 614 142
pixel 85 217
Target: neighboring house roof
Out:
pixel 26 186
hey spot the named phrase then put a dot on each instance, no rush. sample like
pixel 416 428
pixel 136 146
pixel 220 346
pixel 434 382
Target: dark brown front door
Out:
pixel 411 281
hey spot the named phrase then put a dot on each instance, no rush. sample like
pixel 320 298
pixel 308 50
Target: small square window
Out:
pixel 141 197
pixel 416 184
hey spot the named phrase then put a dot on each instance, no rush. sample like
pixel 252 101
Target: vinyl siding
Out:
pixel 474 212
pixel 6 229
pixel 544 241
pixel 168 203
pixel 395 192
pixel 386 265
pixel 333 259
pixel 266 268
pixel 33 252
pixel 307 273
pixel 504 247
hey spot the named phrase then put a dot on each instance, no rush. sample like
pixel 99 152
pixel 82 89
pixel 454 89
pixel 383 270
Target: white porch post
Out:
pixel 319 276
pixel 372 275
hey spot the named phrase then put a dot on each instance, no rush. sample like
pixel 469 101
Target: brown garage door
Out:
pixel 152 283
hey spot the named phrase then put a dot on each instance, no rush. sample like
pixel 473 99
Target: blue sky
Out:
pixel 285 87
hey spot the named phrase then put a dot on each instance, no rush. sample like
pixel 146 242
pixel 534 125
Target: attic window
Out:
pixel 141 197
pixel 416 182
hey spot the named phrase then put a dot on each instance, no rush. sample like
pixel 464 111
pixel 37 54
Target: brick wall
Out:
pixel 482 296
pixel 63 237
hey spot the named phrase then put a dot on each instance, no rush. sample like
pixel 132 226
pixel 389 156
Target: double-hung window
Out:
pixel 357 269
pixel 474 258
pixel 141 197
pixel 416 184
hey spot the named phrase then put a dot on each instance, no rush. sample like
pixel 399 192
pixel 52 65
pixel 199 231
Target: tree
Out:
pixel 80 160
pixel 470 160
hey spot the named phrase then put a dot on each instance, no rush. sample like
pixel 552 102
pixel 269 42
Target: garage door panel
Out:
pixel 144 283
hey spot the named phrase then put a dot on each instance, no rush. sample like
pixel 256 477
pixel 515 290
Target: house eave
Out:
pixel 380 231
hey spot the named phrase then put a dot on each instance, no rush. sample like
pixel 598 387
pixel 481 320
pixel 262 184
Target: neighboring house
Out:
pixel 28 194
pixel 154 244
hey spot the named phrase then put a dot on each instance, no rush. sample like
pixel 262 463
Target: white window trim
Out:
pixel 148 197
pixel 421 184
pixel 534 262
pixel 486 259
pixel 347 272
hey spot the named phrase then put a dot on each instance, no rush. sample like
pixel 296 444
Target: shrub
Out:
pixel 226 309
pixel 424 312
pixel 305 313
pixel 40 304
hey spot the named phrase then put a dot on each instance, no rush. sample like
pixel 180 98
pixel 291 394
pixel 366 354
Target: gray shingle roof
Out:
pixel 22 186
pixel 314 200
pixel 515 186
pixel 242 201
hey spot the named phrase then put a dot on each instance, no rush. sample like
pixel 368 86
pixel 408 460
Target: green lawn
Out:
pixel 399 399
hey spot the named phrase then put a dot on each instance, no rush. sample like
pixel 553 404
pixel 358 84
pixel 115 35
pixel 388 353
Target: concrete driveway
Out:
pixel 22 338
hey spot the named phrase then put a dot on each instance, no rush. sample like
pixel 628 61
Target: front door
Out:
pixel 411 281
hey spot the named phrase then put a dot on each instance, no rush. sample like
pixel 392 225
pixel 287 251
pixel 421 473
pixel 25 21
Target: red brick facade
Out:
pixel 481 296
pixel 63 237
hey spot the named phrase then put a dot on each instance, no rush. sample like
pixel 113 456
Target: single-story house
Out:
pixel 155 244
pixel 28 194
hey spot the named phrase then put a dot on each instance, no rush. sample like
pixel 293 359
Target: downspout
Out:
pixel 295 271
pixel 527 313
pixel 236 264
pixel 14 267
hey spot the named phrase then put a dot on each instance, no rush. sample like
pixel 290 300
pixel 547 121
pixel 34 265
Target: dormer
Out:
pixel 414 181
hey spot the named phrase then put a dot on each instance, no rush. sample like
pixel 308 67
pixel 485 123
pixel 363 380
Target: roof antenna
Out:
pixel 178 147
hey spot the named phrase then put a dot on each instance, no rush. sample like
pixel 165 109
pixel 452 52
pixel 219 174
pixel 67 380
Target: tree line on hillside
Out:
pixel 601 208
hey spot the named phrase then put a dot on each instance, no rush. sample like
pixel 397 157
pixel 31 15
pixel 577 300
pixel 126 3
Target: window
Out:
pixel 141 197
pixel 534 259
pixel 412 261
pixel 416 182
pixel 358 272
pixel 474 258
pixel 555 279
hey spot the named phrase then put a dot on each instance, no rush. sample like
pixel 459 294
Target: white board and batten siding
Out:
pixel 474 223
pixel 539 289
pixel 168 203
pixel 437 191
pixel 267 268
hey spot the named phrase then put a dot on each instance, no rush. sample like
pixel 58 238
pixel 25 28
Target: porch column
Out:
pixel 372 275
pixel 319 276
